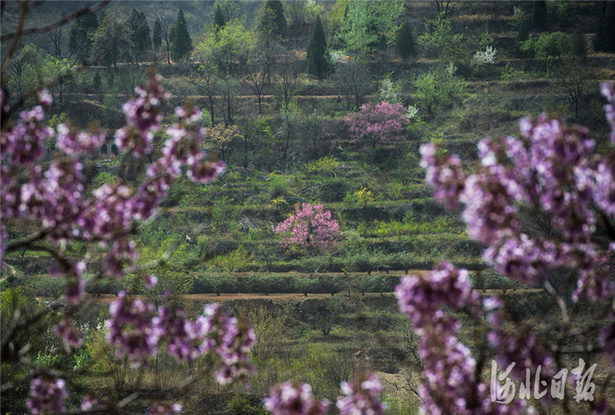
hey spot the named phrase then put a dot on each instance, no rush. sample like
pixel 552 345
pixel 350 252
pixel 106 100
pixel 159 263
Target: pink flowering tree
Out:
pixel 311 228
pixel 551 171
pixel 376 123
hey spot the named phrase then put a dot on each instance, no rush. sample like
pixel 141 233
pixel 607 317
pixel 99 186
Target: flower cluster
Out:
pixel 24 144
pixel 164 409
pixel 451 385
pixel 444 174
pixel 361 398
pixel 52 196
pixel 310 227
pixel 67 332
pixel 137 331
pixel 553 170
pixel 520 346
pixel 186 337
pixel 47 395
pixel 74 142
pixel 132 329
pixel 550 168
pixel 294 399
pixel 144 118
pixel 232 340
pixel 608 90
pixel 377 122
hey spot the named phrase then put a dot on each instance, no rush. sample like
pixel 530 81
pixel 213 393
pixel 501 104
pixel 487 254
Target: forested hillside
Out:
pixel 317 111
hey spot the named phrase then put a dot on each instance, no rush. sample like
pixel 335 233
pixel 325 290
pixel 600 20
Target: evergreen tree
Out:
pixel 112 39
pixel 140 36
pixel 182 44
pixel 405 42
pixel 80 36
pixel 578 46
pixel 609 28
pixel 278 13
pixel 317 51
pixel 157 39
pixel 539 14
pixel 219 19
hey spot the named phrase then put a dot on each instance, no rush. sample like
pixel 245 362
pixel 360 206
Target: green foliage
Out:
pixel 578 46
pixel 539 14
pixel 220 50
pixel 406 46
pixel 25 73
pixel 103 178
pixel 317 54
pixel 554 44
pixel 80 36
pixel 322 314
pixel 240 405
pixel 97 82
pixel 237 260
pixel 358 32
pixel 225 283
pixel 181 43
pixel 112 39
pixel 439 41
pixel 325 165
pixel 279 21
pixel 389 91
pixel 57 119
pixel 278 185
pixel 219 18
pixel 157 36
pixel 439 87
pixel 141 40
pixel 604 41
pixel 360 197
pixel 523 34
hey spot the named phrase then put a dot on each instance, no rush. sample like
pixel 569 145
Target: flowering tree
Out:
pixel 377 122
pixel 550 169
pixel 311 227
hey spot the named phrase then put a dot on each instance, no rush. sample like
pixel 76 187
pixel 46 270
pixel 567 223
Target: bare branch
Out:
pixel 85 10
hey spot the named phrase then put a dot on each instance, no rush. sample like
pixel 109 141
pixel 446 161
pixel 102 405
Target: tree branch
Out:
pixel 85 10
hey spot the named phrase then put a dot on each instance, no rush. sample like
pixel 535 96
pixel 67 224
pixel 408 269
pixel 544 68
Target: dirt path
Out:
pixel 108 298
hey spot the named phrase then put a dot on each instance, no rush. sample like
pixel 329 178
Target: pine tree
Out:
pixel 157 39
pixel 579 48
pixel 317 51
pixel 182 44
pixel 140 37
pixel 80 40
pixel 609 28
pixel 539 14
pixel 219 19
pixel 280 20
pixel 405 42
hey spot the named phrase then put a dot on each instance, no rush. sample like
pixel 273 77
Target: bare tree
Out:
pixel 165 31
pixel 572 75
pixel 286 85
pixel 353 80
pixel 257 79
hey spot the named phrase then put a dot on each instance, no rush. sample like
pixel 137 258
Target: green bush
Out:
pixel 241 405
pixel 278 186
pixel 334 191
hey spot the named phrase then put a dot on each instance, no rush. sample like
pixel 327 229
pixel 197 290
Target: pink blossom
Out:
pixel 311 227
pixel 377 122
